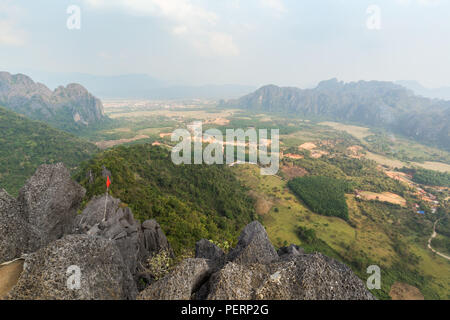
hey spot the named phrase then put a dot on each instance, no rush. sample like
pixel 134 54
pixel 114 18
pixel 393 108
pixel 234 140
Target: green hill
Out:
pixel 190 202
pixel 26 144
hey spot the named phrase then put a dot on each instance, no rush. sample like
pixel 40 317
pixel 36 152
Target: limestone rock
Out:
pixel 253 246
pixel 119 226
pixel 154 239
pixel 104 275
pixel 305 277
pixel 50 200
pixel 205 249
pixel 180 284
pixel 292 251
pixel 14 230
pixel 69 107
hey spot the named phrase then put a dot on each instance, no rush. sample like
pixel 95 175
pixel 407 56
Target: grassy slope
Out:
pixel 25 144
pixel 369 242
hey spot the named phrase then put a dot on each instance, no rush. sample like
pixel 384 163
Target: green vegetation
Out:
pixel 190 202
pixel 443 227
pixel 430 177
pixel 26 144
pixel 364 175
pixel 323 195
pixel 376 233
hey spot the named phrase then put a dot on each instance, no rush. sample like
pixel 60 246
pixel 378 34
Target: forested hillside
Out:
pixel 26 144
pixel 430 177
pixel 190 202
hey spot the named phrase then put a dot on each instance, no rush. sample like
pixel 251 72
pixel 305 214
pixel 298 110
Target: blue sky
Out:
pixel 255 42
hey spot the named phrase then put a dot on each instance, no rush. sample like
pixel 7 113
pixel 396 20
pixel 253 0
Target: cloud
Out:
pixel 420 2
pixel 429 2
pixel 186 20
pixel 10 33
pixel 276 5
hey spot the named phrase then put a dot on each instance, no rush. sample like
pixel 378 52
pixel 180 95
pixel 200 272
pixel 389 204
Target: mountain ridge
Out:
pixel 69 108
pixel 371 103
pixel 141 86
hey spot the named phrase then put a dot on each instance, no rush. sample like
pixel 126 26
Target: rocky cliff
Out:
pixel 371 103
pixel 109 248
pixel 67 108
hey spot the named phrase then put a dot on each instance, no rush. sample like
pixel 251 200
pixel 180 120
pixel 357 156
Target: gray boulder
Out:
pixel 104 275
pixel 205 249
pixel 50 200
pixel 305 277
pixel 180 284
pixel 235 282
pixel 136 242
pixel 253 246
pixel 292 251
pixel 106 173
pixel 154 240
pixel 14 230
pixel 117 225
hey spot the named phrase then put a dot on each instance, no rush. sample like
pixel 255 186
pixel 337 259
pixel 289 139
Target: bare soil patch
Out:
pixel 262 205
pixel 9 275
pixel 218 121
pixel 307 146
pixel 292 156
pixel 292 171
pixel 355 151
pixel 111 143
pixel 163 135
pixel 403 291
pixel 384 197
pixel 316 154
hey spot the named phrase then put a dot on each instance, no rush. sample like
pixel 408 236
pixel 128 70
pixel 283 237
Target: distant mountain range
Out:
pixel 68 108
pixel 141 86
pixel 371 103
pixel 419 89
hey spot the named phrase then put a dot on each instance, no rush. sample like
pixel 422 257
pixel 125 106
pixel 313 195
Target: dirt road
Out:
pixel 434 236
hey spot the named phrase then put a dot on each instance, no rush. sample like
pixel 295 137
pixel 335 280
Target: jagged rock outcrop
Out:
pixel 66 108
pixel 104 275
pixel 253 246
pixel 154 239
pixel 106 217
pixel 254 271
pixel 50 200
pixel 182 283
pixel 305 277
pixel 43 212
pixel 117 225
pixel 14 230
pixel 292 251
pixel 46 211
pixel 205 249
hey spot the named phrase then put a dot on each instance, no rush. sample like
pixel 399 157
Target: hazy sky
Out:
pixel 255 42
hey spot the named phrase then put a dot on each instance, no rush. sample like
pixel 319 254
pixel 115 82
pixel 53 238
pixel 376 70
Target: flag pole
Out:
pixel 106 198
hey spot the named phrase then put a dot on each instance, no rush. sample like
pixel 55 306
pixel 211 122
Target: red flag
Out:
pixel 108 182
